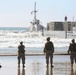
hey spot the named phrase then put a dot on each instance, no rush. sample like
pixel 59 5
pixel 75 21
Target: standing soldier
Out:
pixel 72 51
pixel 49 50
pixel 21 54
pixel 0 66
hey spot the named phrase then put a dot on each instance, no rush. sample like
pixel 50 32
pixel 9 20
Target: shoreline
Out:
pixel 31 54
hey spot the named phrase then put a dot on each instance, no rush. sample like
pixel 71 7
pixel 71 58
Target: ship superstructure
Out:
pixel 35 24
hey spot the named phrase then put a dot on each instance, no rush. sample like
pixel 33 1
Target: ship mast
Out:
pixel 35 11
pixel 35 24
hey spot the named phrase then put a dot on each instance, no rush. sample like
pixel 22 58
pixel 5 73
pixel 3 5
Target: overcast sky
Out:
pixel 17 13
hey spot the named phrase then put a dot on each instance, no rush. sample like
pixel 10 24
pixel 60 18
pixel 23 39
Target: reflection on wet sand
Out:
pixel 73 71
pixel 37 66
pixel 49 70
pixel 21 71
pixel 35 70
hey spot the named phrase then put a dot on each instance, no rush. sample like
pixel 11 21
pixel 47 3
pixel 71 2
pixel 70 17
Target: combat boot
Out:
pixel 23 65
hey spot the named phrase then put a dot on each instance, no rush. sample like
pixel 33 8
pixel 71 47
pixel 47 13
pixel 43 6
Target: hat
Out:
pixel 48 38
pixel 73 40
pixel 21 42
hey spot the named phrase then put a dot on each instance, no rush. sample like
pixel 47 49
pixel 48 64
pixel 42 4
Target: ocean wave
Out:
pixel 11 39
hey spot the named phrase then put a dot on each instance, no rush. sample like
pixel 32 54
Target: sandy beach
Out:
pixel 35 65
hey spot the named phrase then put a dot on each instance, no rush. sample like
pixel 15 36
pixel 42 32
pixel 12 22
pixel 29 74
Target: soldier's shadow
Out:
pixel 49 70
pixel 73 71
pixel 21 71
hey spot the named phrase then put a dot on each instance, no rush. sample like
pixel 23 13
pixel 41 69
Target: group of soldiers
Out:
pixel 48 51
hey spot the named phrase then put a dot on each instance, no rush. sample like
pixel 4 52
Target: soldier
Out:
pixel 21 54
pixel 72 51
pixel 49 50
pixel 0 66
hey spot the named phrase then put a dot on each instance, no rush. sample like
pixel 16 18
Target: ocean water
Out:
pixel 14 28
pixel 33 41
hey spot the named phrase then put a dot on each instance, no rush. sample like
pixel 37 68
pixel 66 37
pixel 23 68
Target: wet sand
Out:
pixel 36 65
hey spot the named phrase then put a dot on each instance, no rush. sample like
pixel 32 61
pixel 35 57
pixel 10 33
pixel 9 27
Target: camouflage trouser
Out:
pixel 21 56
pixel 48 55
pixel 73 57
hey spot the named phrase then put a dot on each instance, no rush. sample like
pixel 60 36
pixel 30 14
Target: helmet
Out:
pixel 48 38
pixel 73 40
pixel 21 42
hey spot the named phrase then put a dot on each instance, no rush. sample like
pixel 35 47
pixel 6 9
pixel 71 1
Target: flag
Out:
pixel 31 13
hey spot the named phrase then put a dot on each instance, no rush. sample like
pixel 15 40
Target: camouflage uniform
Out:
pixel 49 50
pixel 21 54
pixel 72 50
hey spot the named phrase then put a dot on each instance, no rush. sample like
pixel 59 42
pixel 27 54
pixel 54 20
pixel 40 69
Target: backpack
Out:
pixel 73 47
pixel 49 46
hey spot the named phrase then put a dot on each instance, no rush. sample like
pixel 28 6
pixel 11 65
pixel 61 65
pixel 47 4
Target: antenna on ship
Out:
pixel 35 11
pixel 34 22
pixel 73 18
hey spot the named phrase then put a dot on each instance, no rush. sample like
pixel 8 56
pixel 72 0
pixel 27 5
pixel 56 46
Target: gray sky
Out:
pixel 17 13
